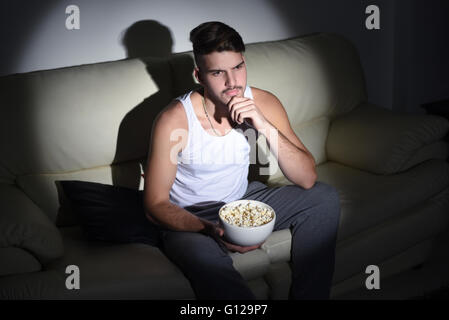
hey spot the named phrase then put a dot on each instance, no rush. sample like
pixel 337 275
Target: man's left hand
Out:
pixel 216 232
pixel 242 109
pixel 237 248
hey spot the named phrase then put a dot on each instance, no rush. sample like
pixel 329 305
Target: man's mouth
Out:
pixel 232 92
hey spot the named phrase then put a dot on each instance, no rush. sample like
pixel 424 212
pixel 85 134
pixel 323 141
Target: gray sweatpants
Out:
pixel 313 217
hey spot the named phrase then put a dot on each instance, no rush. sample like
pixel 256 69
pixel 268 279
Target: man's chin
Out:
pixel 229 96
pixel 227 100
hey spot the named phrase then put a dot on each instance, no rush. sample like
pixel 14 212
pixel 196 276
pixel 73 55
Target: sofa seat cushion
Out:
pixel 252 264
pixel 16 260
pixel 120 271
pixel 393 238
pixel 278 246
pixel 136 270
pixel 24 225
pixel 368 199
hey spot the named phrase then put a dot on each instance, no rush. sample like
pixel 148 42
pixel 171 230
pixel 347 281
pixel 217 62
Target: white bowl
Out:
pixel 247 236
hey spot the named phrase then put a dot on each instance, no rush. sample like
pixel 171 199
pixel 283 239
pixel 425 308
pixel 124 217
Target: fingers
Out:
pixel 220 231
pixel 237 102
pixel 241 108
pixel 237 99
pixel 240 249
pixel 217 234
pixel 212 229
pixel 242 114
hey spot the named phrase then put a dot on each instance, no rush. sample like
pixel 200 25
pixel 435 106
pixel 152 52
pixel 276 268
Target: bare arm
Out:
pixel 295 161
pixel 160 174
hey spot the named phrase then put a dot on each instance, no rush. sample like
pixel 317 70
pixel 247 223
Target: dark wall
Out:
pixel 421 53
pixel 405 62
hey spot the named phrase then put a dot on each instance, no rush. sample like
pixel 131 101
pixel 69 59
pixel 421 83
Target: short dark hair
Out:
pixel 214 36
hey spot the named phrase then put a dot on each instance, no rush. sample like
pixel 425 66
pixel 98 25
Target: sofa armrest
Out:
pixel 380 141
pixel 24 225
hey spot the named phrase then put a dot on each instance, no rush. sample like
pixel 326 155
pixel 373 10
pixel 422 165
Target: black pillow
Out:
pixel 110 213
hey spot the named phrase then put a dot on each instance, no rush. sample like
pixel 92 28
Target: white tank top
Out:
pixel 210 168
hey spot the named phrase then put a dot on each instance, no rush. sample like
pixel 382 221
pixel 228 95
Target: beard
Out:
pixel 229 97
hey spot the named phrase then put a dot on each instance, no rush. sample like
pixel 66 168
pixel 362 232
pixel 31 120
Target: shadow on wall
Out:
pixel 150 42
pixel 148 38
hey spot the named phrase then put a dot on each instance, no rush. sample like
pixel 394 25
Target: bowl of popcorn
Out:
pixel 247 222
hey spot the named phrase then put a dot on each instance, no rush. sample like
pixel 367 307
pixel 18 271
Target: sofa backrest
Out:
pixel 316 78
pixel 313 76
pixel 93 122
pixel 89 122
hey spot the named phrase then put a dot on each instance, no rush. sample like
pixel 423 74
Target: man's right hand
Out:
pixel 216 232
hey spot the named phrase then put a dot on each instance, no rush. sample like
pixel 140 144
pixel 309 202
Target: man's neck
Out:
pixel 216 109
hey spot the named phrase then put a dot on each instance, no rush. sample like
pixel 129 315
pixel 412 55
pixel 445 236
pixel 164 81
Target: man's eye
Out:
pixel 216 73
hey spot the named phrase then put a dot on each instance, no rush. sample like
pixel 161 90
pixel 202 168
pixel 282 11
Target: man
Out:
pixel 185 185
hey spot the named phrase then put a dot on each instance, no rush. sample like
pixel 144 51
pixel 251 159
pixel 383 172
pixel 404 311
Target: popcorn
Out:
pixel 247 215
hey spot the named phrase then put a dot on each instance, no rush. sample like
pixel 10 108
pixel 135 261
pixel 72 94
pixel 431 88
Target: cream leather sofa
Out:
pixel 93 123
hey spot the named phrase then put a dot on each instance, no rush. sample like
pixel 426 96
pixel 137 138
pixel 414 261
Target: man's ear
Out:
pixel 197 75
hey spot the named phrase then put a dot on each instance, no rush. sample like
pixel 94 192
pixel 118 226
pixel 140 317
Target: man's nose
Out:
pixel 230 80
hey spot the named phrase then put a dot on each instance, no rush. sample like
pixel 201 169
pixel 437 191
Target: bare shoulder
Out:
pixel 267 101
pixel 173 116
pixel 165 131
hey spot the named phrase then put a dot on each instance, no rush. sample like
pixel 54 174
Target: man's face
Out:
pixel 223 75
